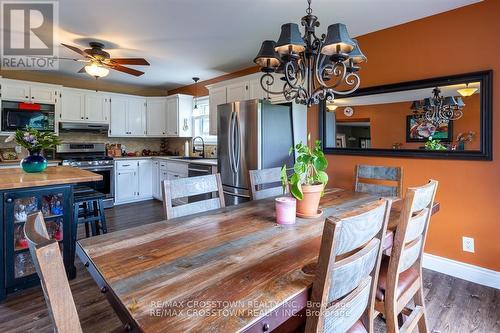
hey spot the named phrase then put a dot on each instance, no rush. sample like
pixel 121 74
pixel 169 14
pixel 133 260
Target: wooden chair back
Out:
pixel 49 265
pixel 379 180
pixel 260 178
pixel 409 240
pixel 187 187
pixel 344 289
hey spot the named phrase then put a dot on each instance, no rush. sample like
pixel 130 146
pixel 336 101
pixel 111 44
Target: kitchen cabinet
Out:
pixel 155 178
pixel 156 116
pixel 237 92
pixel 133 180
pixel 255 91
pixel 217 96
pixel 179 115
pixel 84 106
pixel 25 91
pixel 128 116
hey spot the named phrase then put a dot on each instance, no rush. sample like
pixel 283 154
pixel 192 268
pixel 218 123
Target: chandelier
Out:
pixel 311 68
pixel 438 109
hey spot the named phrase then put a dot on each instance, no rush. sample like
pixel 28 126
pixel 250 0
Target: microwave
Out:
pixel 18 115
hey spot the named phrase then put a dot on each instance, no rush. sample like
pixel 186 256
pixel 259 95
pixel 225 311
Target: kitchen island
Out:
pixel 50 192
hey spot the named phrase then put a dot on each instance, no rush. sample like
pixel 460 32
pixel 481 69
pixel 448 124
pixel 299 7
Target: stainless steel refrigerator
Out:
pixel 251 135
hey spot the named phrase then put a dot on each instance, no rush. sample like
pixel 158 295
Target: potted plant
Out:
pixel 285 206
pixel 434 144
pixel 308 179
pixel 34 141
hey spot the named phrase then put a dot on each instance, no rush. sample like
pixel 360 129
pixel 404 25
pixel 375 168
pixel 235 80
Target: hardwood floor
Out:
pixel 453 305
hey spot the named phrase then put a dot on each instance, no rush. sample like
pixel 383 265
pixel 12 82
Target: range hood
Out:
pixel 83 127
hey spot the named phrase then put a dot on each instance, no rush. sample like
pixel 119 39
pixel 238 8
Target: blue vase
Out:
pixel 34 162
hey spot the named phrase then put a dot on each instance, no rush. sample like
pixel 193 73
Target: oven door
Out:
pixel 106 185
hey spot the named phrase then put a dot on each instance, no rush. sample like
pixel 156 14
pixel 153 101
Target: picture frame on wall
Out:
pixel 419 130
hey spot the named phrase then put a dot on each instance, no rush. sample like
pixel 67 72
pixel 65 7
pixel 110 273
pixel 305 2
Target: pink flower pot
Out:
pixel 285 210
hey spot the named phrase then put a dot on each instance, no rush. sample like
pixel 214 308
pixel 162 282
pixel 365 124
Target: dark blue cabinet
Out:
pixel 56 204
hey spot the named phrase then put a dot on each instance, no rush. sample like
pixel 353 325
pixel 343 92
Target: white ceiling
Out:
pixel 208 38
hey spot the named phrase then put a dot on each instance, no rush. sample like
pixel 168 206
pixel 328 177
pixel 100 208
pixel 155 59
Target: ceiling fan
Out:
pixel 99 61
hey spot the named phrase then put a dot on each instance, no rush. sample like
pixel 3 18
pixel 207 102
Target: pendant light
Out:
pixel 466 92
pixel 196 79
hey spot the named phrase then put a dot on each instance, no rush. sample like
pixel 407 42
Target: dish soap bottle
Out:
pixel 186 148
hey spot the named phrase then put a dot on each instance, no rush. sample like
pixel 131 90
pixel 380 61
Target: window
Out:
pixel 201 121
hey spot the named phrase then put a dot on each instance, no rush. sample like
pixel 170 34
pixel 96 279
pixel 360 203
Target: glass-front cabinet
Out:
pixel 55 203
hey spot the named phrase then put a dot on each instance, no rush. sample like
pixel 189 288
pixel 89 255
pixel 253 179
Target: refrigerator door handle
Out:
pixel 230 142
pixel 238 143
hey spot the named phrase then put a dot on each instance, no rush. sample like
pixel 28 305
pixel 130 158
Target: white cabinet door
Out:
pixel 217 96
pixel 136 115
pixel 14 91
pixel 255 90
pixel 118 121
pixel 237 92
pixel 185 116
pixel 172 116
pixel 155 178
pixel 43 94
pixel 72 105
pixel 95 108
pixel 145 178
pixel 156 117
pixel 126 185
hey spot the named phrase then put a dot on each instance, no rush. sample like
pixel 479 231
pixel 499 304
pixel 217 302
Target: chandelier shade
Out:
pixel 290 39
pixel 267 57
pixel 356 55
pixel 312 68
pixel 337 40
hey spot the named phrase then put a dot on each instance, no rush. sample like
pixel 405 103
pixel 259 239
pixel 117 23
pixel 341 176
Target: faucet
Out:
pixel 202 145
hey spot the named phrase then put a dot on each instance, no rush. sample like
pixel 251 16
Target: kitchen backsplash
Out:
pixel 176 146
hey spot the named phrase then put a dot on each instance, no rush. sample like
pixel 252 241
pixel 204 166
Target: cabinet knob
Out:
pixel 32 97
pixel 86 117
pixel 26 96
pixel 9 200
pixel 81 117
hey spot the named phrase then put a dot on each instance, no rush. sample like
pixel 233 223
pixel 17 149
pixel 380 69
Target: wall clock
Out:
pixel 348 111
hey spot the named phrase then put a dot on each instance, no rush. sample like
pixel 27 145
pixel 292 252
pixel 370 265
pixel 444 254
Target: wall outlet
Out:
pixel 468 244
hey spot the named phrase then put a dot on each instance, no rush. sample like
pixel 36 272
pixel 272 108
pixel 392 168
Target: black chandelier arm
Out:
pixel 338 70
pixel 269 81
pixel 291 75
pixel 351 79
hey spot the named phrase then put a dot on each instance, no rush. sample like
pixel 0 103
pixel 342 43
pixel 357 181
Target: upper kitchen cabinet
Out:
pixel 25 91
pixel 156 116
pixel 237 91
pixel 128 116
pixel 179 115
pixel 217 96
pixel 78 105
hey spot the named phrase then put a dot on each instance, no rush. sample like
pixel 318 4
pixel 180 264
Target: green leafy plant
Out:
pixel 434 144
pixel 34 140
pixel 309 169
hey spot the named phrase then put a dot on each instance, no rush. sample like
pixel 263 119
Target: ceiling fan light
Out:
pixel 290 39
pixel 96 70
pixel 267 56
pixel 356 55
pixel 466 92
pixel 337 40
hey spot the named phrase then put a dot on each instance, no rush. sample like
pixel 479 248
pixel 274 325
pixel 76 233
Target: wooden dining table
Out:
pixel 228 270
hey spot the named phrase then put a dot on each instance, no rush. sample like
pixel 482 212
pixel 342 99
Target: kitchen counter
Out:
pixel 202 161
pixel 15 178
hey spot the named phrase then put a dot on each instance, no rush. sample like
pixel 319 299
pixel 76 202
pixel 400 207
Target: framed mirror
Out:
pixel 446 118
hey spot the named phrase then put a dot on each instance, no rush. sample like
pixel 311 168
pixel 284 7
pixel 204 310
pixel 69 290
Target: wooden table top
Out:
pixel 186 274
pixel 17 178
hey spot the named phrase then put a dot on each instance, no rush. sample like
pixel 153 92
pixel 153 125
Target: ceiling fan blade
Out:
pixel 125 69
pixel 75 49
pixel 82 70
pixel 130 61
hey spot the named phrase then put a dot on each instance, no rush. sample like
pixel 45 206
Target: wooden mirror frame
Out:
pixel 486 124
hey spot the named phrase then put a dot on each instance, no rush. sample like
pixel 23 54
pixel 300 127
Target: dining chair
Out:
pixel 380 180
pixel 400 277
pixel 343 291
pixel 188 187
pixel 260 178
pixel 49 265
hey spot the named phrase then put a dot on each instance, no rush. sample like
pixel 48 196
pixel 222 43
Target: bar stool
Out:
pixel 88 209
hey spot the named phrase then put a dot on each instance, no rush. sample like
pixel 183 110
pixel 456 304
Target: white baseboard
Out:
pixel 476 274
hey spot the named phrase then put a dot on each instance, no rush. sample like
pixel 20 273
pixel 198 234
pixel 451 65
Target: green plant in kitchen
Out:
pixel 34 141
pixel 434 145
pixel 309 177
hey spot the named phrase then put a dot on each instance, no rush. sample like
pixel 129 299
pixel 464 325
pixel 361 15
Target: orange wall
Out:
pixel 388 122
pixel 458 41
pixel 469 192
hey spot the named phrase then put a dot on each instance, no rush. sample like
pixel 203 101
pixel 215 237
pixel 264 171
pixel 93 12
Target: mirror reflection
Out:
pixel 445 117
